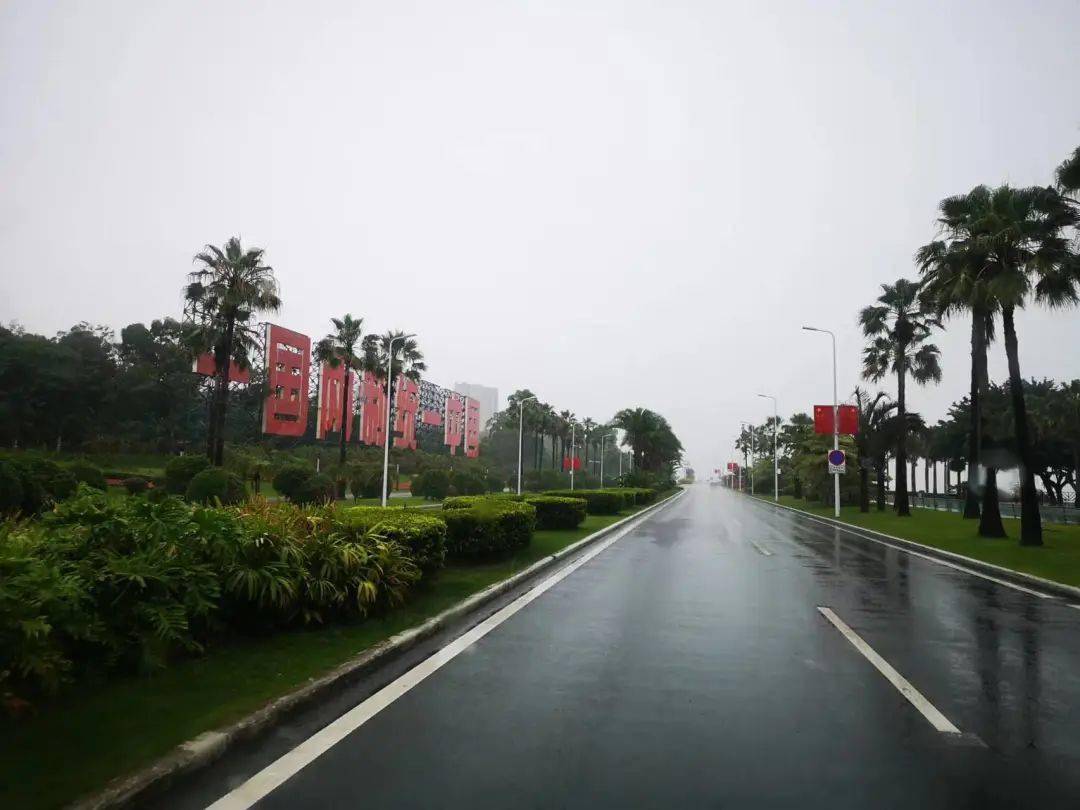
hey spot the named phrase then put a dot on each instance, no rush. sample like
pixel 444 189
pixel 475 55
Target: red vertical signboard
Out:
pixel 288 363
pixel 331 389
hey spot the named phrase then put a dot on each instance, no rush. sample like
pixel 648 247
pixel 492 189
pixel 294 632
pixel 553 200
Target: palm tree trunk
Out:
pixel 881 467
pixel 926 475
pixel 978 361
pixel 935 478
pixel 1030 521
pixel 990 524
pixel 864 485
pixel 903 508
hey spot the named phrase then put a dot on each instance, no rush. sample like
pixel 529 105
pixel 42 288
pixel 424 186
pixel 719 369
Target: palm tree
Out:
pixel 898 326
pixel 339 349
pixel 874 413
pixel 408 360
pixel 225 294
pixel 1068 174
pixel 588 427
pixel 1022 231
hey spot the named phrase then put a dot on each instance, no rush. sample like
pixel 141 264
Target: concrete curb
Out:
pixel 210 746
pixel 1008 574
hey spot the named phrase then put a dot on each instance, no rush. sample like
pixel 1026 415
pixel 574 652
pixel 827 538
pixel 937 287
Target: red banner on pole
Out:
pixel 848 417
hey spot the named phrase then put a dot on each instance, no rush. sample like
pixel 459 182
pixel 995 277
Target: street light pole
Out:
pixel 521 425
pixel 573 425
pixel 775 455
pixel 835 418
pixel 389 401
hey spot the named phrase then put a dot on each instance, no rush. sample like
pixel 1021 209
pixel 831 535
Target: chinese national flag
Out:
pixel 849 419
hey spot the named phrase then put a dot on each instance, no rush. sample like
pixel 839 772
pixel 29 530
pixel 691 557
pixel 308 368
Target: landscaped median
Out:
pixel 105 725
pixel 1057 560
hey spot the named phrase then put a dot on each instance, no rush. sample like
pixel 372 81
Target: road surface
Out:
pixel 689 664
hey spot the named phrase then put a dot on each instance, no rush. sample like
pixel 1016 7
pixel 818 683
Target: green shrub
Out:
pixel 87 473
pixel 466 483
pixel 316 488
pixel 641 495
pixel 135 485
pixel 431 484
pixel 57 482
pixel 180 470
pixel 366 481
pixel 466 501
pixel 537 480
pixel 290 478
pixel 598 501
pixel 156 495
pixel 494 482
pixel 423 535
pixel 11 488
pixel 216 485
pixel 488 527
pixel 554 512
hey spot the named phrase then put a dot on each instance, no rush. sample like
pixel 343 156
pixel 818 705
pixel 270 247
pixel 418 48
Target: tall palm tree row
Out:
pixel 898 326
pixel 408 360
pixel 339 349
pixel 225 293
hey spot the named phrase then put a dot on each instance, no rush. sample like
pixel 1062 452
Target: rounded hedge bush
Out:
pixel 180 471
pixel 214 485
pixel 431 484
pixel 489 527
pixel 11 488
pixel 465 483
pixel 316 488
pixel 56 482
pixel 423 535
pixel 366 481
pixel 555 512
pixel 87 473
pixel 135 485
pixel 598 501
pixel 289 480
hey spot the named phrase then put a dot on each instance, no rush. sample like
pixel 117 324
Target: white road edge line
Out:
pixel 277 772
pixel 761 549
pixel 927 709
pixel 855 531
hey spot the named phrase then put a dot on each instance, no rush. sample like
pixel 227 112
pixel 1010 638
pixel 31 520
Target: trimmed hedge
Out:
pixel 180 470
pixel 598 501
pixel 554 512
pixel 465 501
pixel 466 483
pixel 431 484
pixel 289 480
pixel 366 481
pixel 642 495
pixel 30 484
pixel 489 526
pixel 316 488
pixel 216 484
pixel 423 535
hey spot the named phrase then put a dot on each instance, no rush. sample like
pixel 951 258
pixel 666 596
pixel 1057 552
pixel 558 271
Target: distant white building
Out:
pixel 487 397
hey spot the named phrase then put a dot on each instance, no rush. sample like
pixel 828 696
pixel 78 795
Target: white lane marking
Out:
pixel 277 772
pixel 913 695
pixel 761 548
pixel 854 530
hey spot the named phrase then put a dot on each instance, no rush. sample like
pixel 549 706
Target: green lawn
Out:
pixel 94 733
pixel 1057 559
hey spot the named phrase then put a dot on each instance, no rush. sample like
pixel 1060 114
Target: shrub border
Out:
pixel 210 746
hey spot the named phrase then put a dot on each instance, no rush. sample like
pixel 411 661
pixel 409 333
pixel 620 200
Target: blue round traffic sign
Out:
pixel 836 457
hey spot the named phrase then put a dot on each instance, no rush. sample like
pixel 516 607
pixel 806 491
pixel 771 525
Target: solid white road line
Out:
pixel 855 531
pixel 761 549
pixel 283 768
pixel 914 697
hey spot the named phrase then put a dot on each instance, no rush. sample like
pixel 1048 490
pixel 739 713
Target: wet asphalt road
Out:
pixel 686 666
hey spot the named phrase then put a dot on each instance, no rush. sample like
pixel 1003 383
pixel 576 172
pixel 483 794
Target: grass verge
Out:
pixel 76 744
pixel 1058 559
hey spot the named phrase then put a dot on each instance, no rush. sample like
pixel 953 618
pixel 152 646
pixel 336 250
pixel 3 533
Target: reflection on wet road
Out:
pixel 689 665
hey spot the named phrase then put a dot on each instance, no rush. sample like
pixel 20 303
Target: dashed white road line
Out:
pixel 761 549
pixel 277 772
pixel 927 709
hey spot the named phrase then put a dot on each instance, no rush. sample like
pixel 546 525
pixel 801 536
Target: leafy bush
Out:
pixel 537 480
pixel 135 485
pixel 489 526
pixel 56 481
pixel 553 512
pixel 11 489
pixel 423 535
pixel 290 478
pixel 157 495
pixel 216 485
pixel 180 470
pixel 466 501
pixel 431 484
pixel 641 495
pixel 598 501
pixel 316 488
pixel 466 483
pixel 366 481
pixel 87 473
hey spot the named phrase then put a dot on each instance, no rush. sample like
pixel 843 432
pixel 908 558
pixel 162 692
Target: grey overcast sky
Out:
pixel 612 203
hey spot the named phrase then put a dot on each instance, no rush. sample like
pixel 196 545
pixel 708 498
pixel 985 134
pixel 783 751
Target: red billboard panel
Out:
pixel 566 463
pixel 406 404
pixel 372 410
pixel 332 389
pixel 848 417
pixel 206 366
pixel 472 427
pixel 288 363
pixel 452 422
